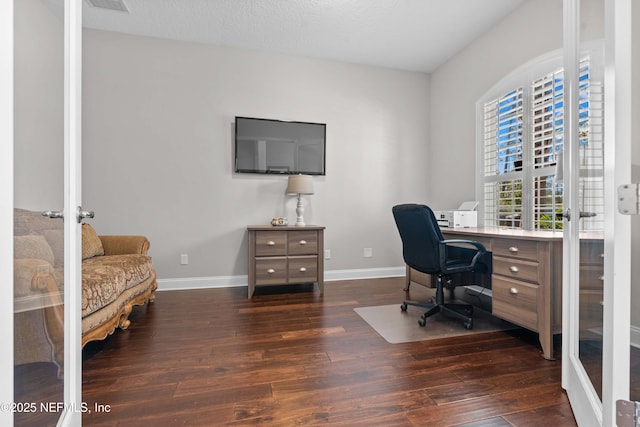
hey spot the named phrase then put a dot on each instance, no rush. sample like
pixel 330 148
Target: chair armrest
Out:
pixel 26 274
pixel 35 285
pixel 122 245
pixel 445 261
pixel 479 246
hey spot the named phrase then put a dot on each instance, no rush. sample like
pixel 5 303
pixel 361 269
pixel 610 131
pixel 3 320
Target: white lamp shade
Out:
pixel 300 184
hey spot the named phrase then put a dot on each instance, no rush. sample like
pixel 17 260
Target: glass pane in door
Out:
pixel 591 189
pixel 38 240
pixel 634 391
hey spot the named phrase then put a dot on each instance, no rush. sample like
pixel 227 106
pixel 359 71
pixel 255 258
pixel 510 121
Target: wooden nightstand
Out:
pixel 285 255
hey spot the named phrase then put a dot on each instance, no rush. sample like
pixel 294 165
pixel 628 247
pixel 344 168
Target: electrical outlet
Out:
pixel 327 254
pixel 184 259
pixel 367 252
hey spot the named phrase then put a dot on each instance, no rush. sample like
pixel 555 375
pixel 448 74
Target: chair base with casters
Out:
pixel 463 312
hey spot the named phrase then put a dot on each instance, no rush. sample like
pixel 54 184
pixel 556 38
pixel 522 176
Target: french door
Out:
pixel 40 113
pixel 596 308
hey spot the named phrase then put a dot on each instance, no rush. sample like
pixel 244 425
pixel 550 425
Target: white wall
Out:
pixel 158 147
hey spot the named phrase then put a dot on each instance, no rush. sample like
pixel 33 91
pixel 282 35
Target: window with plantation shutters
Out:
pixel 522 132
pixel 547 139
pixel 503 147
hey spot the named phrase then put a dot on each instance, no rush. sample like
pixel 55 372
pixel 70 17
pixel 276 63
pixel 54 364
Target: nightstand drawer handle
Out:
pixel 271 271
pixel 513 249
pixel 303 242
pixel 271 243
pixel 514 269
pixel 513 291
pixel 303 269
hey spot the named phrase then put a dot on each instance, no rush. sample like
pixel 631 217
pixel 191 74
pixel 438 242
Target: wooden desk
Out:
pixel 526 282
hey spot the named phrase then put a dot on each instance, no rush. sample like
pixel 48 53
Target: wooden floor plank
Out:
pixel 212 357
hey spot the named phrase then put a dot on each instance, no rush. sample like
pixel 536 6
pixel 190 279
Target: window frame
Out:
pixel 523 77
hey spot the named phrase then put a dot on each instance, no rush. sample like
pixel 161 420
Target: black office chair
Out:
pixel 425 250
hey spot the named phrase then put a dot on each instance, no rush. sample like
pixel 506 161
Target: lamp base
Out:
pixel 300 213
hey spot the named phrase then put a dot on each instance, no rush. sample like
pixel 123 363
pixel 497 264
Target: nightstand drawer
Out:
pixel 516 269
pixel 516 302
pixel 270 243
pixel 303 269
pixel 271 271
pixel 302 243
pixel 526 249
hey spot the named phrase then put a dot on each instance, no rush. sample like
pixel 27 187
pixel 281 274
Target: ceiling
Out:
pixel 414 35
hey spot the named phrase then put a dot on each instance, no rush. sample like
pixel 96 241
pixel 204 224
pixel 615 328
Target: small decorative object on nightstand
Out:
pixel 285 255
pixel 279 221
pixel 300 184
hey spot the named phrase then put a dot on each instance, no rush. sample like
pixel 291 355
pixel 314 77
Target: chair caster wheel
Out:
pixel 422 321
pixel 468 324
pixel 403 307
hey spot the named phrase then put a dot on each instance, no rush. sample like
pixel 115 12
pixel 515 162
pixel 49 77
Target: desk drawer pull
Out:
pixel 303 242
pixel 513 291
pixel 271 243
pixel 303 269
pixel 513 269
pixel 513 249
pixel 271 271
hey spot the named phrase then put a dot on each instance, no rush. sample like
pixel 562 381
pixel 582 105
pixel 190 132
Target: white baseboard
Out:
pixel 186 283
pixel 364 273
pixel 232 281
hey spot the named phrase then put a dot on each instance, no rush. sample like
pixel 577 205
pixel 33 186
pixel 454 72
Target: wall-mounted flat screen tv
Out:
pixel 279 147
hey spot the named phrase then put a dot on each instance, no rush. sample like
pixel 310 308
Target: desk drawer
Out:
pixel 516 269
pixel 516 302
pixel 591 252
pixel 303 269
pixel 525 249
pixel 302 242
pixel 270 243
pixel 271 271
pixel 591 277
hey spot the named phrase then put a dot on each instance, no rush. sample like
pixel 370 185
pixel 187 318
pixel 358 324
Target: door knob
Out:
pixel 53 214
pixel 82 214
pixel 567 214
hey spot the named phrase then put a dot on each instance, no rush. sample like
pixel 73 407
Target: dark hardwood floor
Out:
pixel 214 358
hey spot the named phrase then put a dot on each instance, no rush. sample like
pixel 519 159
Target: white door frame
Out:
pixel 6 209
pixel 72 416
pixel 587 407
pixel 617 265
pixel 73 350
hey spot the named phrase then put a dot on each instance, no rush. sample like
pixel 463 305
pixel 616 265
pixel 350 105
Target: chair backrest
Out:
pixel 420 236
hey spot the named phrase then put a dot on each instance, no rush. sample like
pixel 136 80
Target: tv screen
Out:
pixel 279 147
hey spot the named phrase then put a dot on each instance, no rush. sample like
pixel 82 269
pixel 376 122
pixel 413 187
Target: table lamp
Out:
pixel 300 184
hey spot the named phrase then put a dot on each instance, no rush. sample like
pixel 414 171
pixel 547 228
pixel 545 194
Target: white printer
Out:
pixel 465 216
